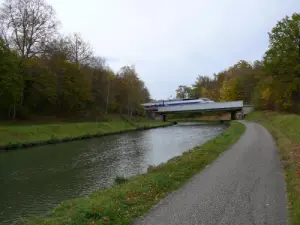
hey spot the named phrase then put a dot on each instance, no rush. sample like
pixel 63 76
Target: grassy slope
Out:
pixel 22 134
pixel 120 204
pixel 286 131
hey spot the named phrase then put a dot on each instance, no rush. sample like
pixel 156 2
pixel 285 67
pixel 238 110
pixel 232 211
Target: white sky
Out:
pixel 170 42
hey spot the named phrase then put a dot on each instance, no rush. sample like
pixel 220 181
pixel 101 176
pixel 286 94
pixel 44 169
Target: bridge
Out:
pixel 236 108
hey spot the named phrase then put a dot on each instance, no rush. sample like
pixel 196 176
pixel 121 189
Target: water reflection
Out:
pixel 32 181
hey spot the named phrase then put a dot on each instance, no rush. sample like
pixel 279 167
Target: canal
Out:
pixel 33 181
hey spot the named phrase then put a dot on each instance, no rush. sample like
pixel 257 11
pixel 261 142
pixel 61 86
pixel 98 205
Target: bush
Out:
pixel 120 180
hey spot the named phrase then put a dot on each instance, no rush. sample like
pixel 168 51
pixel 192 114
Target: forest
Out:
pixel 272 83
pixel 45 73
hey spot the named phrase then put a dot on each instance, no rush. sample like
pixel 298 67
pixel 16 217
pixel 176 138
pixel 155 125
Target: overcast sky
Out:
pixel 170 42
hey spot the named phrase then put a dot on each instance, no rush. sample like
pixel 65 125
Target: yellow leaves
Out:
pixel 203 91
pixel 266 94
pixel 131 196
pixel 230 90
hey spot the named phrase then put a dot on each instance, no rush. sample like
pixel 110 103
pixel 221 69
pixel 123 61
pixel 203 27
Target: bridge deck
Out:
pixel 217 106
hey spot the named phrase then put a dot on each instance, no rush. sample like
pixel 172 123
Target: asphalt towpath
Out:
pixel 244 186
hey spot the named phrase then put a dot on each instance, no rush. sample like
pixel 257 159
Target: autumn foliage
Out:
pixel 46 73
pixel 271 83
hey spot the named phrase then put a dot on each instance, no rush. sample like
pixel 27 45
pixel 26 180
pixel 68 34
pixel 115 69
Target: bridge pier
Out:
pixel 160 117
pixel 151 115
pixel 237 115
pixel 233 115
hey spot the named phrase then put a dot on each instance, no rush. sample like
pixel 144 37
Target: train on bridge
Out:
pixel 176 102
pixel 160 109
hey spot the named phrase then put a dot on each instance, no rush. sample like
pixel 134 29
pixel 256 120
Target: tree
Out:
pixel 11 82
pixel 41 94
pixel 101 83
pixel 183 92
pixel 27 25
pixel 235 83
pixel 129 82
pixel 282 61
pixel 231 90
pixel 57 48
pixel 42 73
pixel 205 87
pixel 130 91
pixel 73 89
pixel 80 51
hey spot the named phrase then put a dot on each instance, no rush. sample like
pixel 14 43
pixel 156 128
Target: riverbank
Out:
pixel 121 204
pixel 285 129
pixel 24 136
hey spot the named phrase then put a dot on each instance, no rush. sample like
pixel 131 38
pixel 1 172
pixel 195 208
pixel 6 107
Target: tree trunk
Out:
pixel 14 109
pixel 107 96
pixel 9 112
pixel 131 110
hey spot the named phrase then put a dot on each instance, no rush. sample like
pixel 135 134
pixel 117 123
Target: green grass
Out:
pixel 285 129
pixel 120 180
pixel 18 135
pixel 121 204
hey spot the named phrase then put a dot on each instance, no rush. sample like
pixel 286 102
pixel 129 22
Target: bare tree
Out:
pixel 81 51
pixel 26 25
pixel 97 62
pixel 57 47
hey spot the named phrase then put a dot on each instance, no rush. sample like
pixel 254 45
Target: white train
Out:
pixel 155 105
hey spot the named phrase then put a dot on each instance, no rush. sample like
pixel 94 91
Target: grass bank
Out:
pixel 26 135
pixel 121 204
pixel 285 129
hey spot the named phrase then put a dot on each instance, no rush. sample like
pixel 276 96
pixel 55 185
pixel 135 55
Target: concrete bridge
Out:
pixel 237 109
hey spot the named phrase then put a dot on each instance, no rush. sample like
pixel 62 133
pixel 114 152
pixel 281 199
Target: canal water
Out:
pixel 33 181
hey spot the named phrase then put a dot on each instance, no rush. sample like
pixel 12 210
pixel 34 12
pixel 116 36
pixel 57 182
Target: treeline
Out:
pixel 43 72
pixel 272 83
